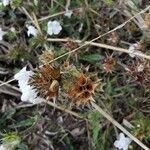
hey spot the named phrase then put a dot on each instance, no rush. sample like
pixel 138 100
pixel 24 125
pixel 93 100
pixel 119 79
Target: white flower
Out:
pixel 36 2
pixel 132 49
pixel 32 30
pixel 29 94
pixel 2 33
pixel 12 29
pixel 123 142
pixel 54 27
pixel 3 147
pixel 6 2
pixel 68 13
pixel 8 146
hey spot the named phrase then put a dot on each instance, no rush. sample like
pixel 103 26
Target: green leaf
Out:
pixel 25 123
pixel 92 58
pixel 95 118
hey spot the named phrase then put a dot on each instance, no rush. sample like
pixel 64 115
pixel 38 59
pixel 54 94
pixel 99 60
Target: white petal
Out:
pixel 36 2
pixel 23 75
pixel 28 93
pixel 56 30
pixel 54 27
pixel 123 142
pixel 68 13
pixel 3 147
pixel 5 2
pixel 117 144
pixel 2 33
pixel 121 136
pixel 32 31
pixel 132 49
pixel 12 29
pixel 49 28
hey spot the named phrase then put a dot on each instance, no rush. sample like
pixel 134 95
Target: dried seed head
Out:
pixel 47 56
pixel 82 90
pixel 46 81
pixel 140 71
pixel 109 63
pixel 82 80
pixel 147 21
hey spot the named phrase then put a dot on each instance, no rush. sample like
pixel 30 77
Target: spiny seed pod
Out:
pixel 46 81
pixel 109 63
pixel 47 56
pixel 140 71
pixel 82 90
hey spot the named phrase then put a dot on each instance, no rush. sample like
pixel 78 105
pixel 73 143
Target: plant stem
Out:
pixel 64 109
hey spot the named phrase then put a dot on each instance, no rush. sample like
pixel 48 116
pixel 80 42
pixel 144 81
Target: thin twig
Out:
pixel 26 12
pixel 51 16
pixel 97 45
pixel 114 122
pixel 64 109
pixel 4 83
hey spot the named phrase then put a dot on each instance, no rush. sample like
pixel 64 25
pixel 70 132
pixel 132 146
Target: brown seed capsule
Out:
pixel 109 64
pixel 82 91
pixel 47 56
